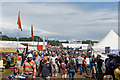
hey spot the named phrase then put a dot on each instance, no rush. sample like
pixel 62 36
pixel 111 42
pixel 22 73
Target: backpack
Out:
pixel 63 66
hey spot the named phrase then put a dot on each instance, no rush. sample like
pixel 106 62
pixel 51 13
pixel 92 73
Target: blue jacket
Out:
pixel 45 69
pixel 13 75
pixel 8 58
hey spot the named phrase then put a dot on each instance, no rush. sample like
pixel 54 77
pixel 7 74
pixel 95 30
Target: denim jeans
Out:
pixel 87 68
pixel 71 74
pixel 80 65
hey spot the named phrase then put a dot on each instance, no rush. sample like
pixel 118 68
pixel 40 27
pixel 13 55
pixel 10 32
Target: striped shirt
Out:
pixel 29 67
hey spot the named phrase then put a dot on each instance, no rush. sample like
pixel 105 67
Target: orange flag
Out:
pixel 19 22
pixel 32 31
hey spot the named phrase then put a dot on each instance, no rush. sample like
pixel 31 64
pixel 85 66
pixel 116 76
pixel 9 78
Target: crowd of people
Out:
pixel 54 61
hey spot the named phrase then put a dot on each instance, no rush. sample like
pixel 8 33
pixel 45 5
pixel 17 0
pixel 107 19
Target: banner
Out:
pixel 32 31
pixel 19 22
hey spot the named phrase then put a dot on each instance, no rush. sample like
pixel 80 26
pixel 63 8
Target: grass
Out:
pixel 6 73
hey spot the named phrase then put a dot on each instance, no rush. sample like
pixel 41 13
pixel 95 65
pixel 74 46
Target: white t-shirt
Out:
pixel 53 59
pixel 87 61
pixel 80 60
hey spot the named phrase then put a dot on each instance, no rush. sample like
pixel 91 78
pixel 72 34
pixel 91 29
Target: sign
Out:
pixel 20 50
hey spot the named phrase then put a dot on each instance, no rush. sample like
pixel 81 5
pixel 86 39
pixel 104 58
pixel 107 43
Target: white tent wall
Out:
pixel 16 44
pixel 12 44
pixel 3 46
pixel 70 45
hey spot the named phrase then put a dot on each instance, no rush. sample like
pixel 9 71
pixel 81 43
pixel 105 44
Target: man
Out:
pixel 107 64
pixel 80 62
pixel 118 58
pixel 29 67
pixel 23 57
pixel 37 61
pixel 86 64
pixel 53 59
pixel 8 60
pixel 117 72
pixel 45 68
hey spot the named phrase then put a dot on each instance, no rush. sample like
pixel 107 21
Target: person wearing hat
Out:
pixel 29 67
pixel 16 74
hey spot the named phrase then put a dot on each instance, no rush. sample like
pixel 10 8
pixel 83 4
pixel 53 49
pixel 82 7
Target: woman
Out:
pixel 93 67
pixel 99 63
pixel 63 71
pixel 16 74
pixel 72 69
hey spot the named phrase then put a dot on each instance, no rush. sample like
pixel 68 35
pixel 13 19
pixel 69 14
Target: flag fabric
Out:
pixel 32 31
pixel 19 21
pixel 44 43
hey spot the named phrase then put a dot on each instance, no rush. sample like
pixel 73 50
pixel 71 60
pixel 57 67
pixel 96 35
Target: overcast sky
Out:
pixel 61 20
pixel 60 0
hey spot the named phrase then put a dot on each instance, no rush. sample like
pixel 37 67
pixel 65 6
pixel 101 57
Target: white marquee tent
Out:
pixel 110 40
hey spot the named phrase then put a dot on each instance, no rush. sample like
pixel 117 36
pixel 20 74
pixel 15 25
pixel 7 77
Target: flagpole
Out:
pixel 33 42
pixel 18 37
pixel 19 27
pixel 32 36
pixel 17 43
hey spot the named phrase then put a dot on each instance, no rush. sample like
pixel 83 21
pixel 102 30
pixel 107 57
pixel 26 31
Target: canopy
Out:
pixel 15 45
pixel 3 46
pixel 8 50
pixel 110 40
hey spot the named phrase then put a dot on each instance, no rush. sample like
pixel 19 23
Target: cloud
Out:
pixel 60 0
pixel 61 20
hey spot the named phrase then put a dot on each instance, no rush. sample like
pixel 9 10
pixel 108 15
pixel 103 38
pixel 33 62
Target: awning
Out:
pixel 26 44
pixel 8 50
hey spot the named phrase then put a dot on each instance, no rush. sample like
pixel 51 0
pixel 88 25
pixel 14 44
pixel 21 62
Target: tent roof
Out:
pixel 110 40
